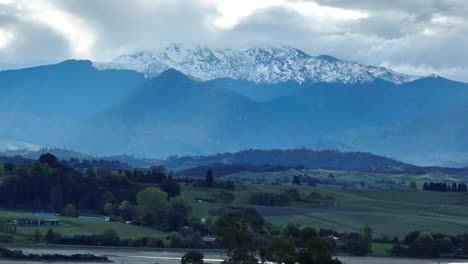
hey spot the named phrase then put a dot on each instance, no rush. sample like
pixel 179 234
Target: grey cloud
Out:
pixel 394 33
pixel 119 25
pixel 395 39
pixel 32 43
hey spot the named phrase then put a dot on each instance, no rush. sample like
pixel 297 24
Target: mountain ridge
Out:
pixel 260 65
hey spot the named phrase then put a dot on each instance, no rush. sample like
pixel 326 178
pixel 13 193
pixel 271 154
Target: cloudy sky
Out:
pixel 411 36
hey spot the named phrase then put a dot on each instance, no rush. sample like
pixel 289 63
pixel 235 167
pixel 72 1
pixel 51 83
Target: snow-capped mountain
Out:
pixel 260 65
pixel 6 144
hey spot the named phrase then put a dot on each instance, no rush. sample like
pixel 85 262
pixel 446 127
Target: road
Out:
pixel 139 256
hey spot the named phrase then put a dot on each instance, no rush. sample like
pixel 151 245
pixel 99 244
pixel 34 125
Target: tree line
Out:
pixel 444 187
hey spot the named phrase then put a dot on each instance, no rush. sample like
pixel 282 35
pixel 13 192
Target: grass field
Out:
pixel 371 179
pixel 391 212
pixel 381 249
pixel 76 226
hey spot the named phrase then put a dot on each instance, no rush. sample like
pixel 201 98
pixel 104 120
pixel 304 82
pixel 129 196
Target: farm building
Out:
pixel 36 222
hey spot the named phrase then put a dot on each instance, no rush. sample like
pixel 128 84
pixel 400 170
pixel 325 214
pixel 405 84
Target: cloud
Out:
pixel 415 36
pixel 23 40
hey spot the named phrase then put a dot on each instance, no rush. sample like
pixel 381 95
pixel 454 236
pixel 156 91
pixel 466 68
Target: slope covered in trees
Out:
pixel 290 157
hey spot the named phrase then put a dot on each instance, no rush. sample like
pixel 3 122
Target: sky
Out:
pixel 418 37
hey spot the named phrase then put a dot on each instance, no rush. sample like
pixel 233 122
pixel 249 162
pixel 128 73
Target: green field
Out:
pixel 381 249
pixel 76 226
pixel 371 179
pixel 391 212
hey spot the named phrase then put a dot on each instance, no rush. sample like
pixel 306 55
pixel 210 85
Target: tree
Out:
pixel 366 235
pixel 209 178
pixel 291 230
pixel 175 240
pixel 108 197
pixel 178 213
pixel 37 236
pixel 296 180
pixel 69 210
pixel 413 186
pixel 454 187
pixel 171 187
pixel 49 159
pixel 241 231
pixel 192 257
pixel 125 205
pixel 108 208
pixel 316 251
pixel 92 173
pixel 110 237
pixel 56 198
pixel 280 250
pixel 360 244
pixel 9 167
pixel 152 200
pixel 2 169
pixel 51 236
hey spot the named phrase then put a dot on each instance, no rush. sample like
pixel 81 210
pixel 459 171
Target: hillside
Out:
pixel 38 103
pixel 173 114
pixel 292 157
pixel 442 134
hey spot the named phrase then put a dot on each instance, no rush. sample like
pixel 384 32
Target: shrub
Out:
pixel 175 240
pixel 69 210
pixel 192 257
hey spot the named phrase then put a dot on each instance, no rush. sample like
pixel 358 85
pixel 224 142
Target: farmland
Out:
pixel 388 212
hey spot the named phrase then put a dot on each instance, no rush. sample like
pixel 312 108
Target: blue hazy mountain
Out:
pixel 435 93
pixel 277 99
pixel 172 114
pixel 38 103
pixel 73 88
pixel 437 138
pixel 339 111
pixel 262 92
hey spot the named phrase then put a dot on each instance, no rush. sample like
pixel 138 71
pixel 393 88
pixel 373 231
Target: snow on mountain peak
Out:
pixel 260 65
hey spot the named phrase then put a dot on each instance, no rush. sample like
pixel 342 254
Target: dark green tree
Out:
pixel 296 180
pixel 241 231
pixel 192 257
pixel 280 250
pixel 110 238
pixel 56 198
pixel 69 210
pixel 209 178
pixel 37 236
pixel 2 169
pixel 51 236
pixel 171 187
pixel 316 251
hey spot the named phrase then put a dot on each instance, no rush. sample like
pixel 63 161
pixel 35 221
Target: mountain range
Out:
pixel 259 65
pixel 200 101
